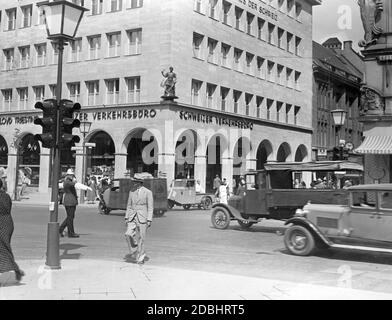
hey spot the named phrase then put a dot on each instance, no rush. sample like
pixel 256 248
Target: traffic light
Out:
pixel 336 154
pixel 67 123
pixel 48 122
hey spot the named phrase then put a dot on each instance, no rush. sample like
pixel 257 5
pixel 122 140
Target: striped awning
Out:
pixel 376 145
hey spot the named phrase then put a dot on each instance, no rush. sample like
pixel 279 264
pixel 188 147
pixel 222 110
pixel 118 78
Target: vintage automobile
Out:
pixel 270 193
pixel 116 198
pixel 364 223
pixel 183 193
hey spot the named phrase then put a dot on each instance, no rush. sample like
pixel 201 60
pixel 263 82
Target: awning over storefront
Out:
pixel 376 145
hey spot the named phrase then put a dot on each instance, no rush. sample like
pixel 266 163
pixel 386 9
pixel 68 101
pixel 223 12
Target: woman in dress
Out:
pixel 7 260
pixel 92 194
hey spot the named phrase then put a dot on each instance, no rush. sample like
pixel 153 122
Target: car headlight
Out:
pixel 301 213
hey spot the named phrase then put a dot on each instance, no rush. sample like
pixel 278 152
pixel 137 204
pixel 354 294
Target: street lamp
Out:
pixel 62 19
pixel 84 130
pixel 339 118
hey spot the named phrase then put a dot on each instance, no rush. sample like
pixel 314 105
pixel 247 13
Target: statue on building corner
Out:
pixel 169 83
pixel 371 102
pixel 371 11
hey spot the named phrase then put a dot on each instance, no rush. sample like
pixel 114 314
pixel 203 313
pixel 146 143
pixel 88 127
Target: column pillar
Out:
pixel 120 165
pixel 227 171
pixel 166 165
pixel 11 174
pixel 44 171
pixel 201 170
pixel 79 164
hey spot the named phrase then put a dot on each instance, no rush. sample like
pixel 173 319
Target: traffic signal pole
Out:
pixel 53 240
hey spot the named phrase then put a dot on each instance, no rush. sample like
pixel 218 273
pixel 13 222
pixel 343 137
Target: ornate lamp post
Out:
pixel 339 118
pixel 84 128
pixel 62 19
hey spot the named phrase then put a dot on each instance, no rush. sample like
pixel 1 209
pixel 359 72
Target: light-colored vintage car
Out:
pixel 365 223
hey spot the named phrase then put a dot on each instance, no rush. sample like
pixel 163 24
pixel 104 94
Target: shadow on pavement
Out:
pixel 69 247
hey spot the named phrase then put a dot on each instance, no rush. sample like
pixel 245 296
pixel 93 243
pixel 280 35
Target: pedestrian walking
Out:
pixel 241 190
pixel 92 195
pixel 70 201
pixel 216 183
pixel 138 218
pixel 7 260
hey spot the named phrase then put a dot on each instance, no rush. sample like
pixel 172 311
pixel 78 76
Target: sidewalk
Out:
pixel 99 279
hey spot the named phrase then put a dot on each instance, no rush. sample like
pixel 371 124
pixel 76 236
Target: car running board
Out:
pixel 343 246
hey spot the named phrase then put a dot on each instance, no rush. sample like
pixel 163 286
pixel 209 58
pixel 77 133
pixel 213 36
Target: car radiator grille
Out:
pixel 327 223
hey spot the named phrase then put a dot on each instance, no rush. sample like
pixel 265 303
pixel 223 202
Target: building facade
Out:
pixel 338 74
pixel 244 82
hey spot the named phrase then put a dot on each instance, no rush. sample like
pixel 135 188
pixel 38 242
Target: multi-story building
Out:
pixel 338 74
pixel 244 82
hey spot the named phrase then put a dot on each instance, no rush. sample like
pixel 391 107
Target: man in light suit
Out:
pixel 138 218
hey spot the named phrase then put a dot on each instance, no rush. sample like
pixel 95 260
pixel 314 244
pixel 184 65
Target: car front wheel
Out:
pixel 220 218
pixel 299 241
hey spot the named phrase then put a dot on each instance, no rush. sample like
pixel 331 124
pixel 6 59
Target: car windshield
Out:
pixel 386 200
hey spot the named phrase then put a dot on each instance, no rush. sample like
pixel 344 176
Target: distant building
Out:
pixel 337 76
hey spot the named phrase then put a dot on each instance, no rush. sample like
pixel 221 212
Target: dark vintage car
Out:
pixel 116 198
pixel 270 193
pixel 364 223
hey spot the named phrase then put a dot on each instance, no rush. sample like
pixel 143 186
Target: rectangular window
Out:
pixel 261 34
pixel 197 43
pixel 298 11
pixel 135 4
pixel 297 80
pixel 211 88
pixel 225 55
pixel 8 59
pixel 53 90
pixel 298 46
pixel 134 41
pixel 40 54
pixel 23 98
pixel 26 16
pixel 7 99
pixel 55 53
pixel 297 109
pixel 41 16
pixel 281 79
pixel 11 18
pixel 238 18
pixel 249 23
pixel 290 6
pixel 271 34
pixel 280 38
pixel 75 50
pixel 212 56
pixel 224 94
pixel 259 104
pixel 133 88
pixel 24 54
pixel 74 91
pixel 96 7
pixel 248 101
pixel 261 67
pixel 196 86
pixel 269 107
pixel 115 5
pixel 249 63
pixel 236 99
pixel 198 6
pixel 112 91
pixel 212 9
pixel 289 77
pixel 271 71
pixel 289 40
pixel 279 106
pixel 94 47
pixel 114 44
pixel 92 92
pixel 78 2
pixel 226 12
pixel 237 60
pixel 39 93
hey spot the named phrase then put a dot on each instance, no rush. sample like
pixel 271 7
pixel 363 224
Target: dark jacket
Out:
pixel 70 196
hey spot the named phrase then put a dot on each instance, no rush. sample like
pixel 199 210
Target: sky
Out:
pixel 337 18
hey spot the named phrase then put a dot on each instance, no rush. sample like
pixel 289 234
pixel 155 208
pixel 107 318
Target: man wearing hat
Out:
pixel 138 218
